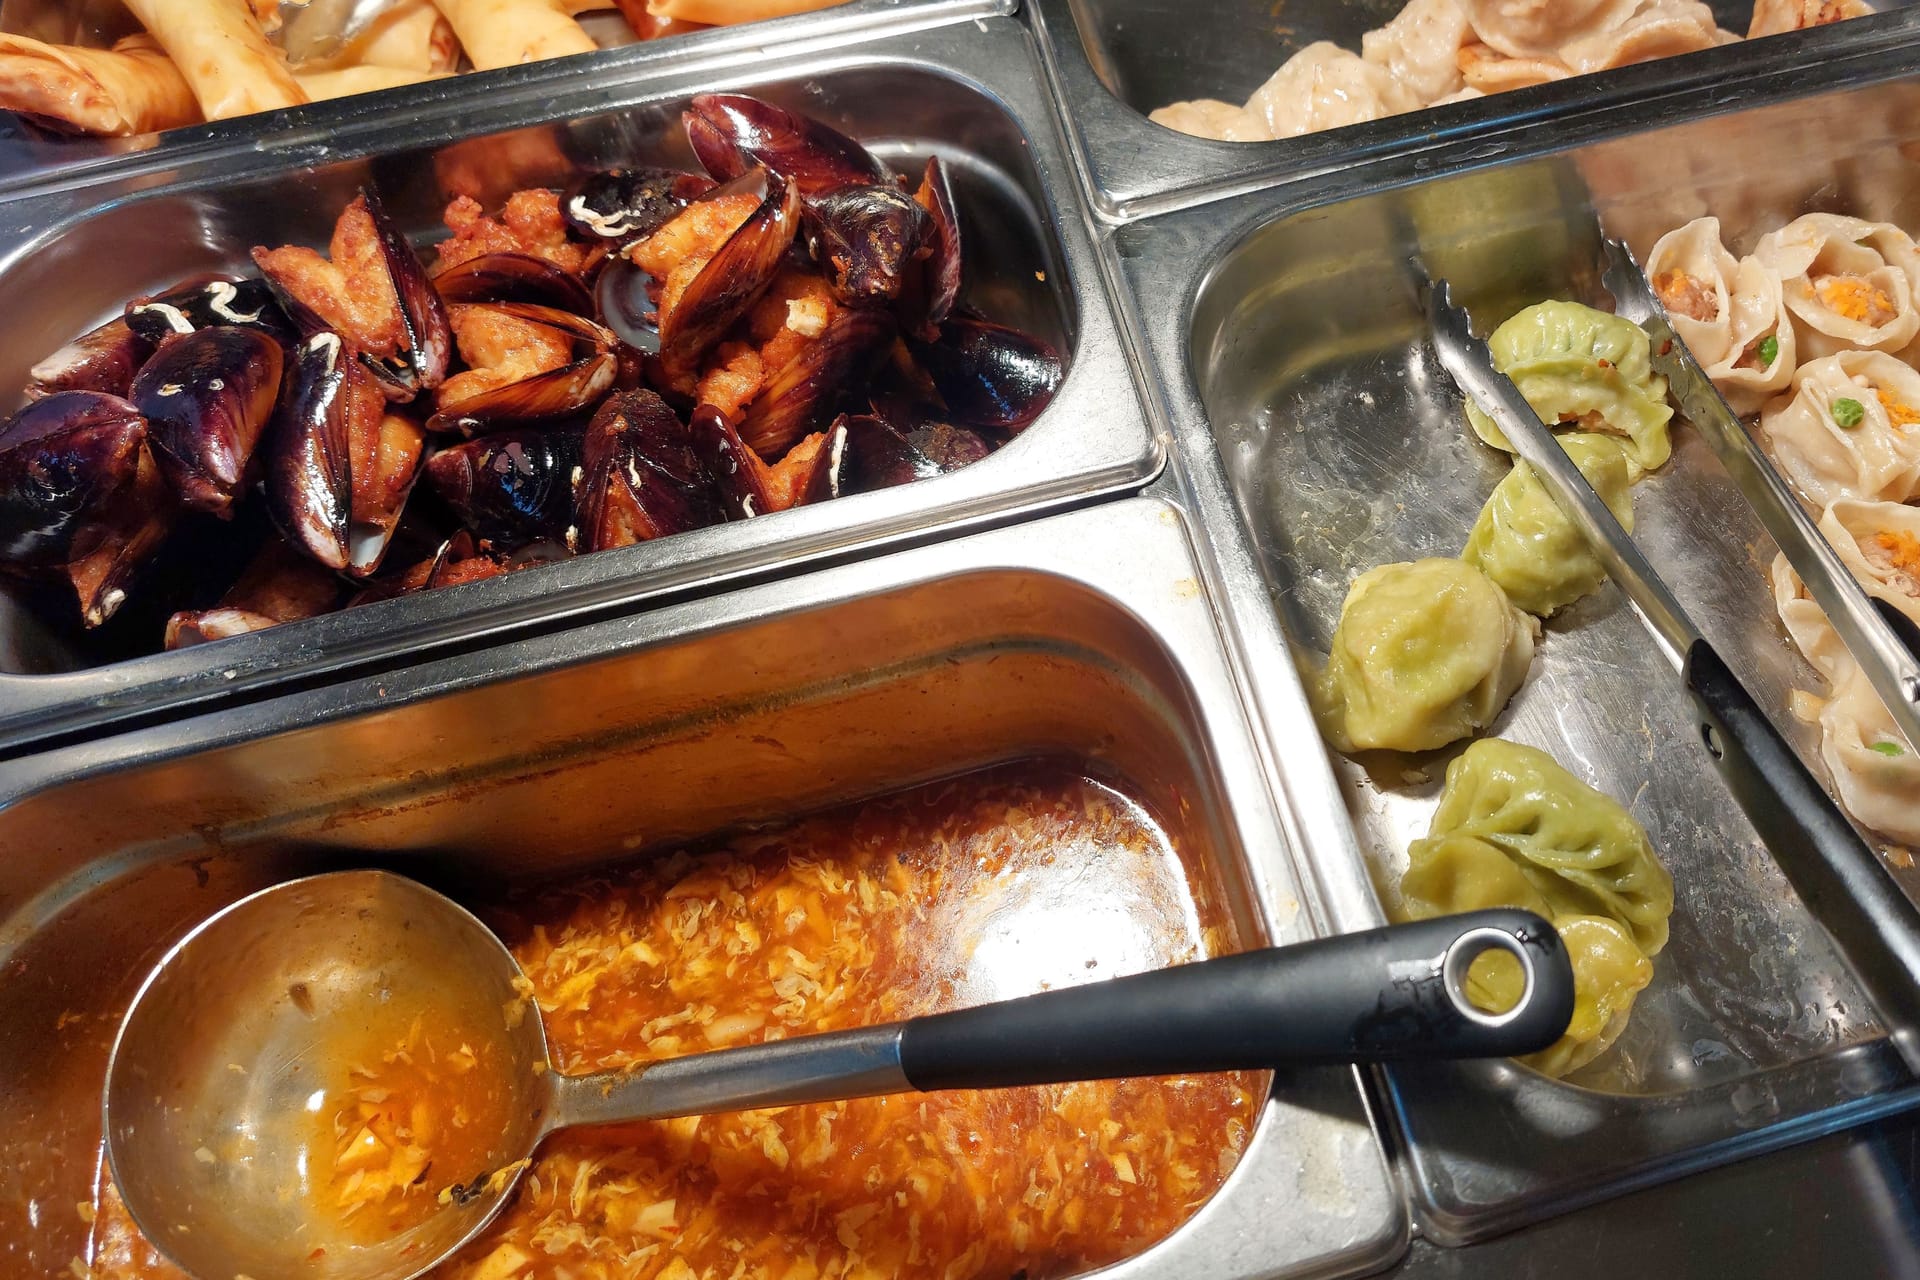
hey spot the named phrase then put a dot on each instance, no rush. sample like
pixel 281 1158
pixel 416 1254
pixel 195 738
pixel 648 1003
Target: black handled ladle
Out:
pixel 230 1046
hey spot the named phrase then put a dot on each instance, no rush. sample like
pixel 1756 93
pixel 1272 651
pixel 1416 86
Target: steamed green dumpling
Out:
pixel 1526 545
pixel 1580 850
pixel 1450 874
pixel 1426 653
pixel 1578 366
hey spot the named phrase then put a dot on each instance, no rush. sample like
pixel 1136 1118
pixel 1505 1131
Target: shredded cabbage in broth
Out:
pixel 988 887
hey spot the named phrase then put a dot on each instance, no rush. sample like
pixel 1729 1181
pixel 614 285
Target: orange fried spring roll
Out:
pixel 344 82
pixel 506 33
pixel 131 88
pixel 725 12
pixel 219 47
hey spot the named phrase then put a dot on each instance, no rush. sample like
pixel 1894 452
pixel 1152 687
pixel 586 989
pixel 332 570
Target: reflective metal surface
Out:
pixel 1285 353
pixel 32 160
pixel 569 750
pixel 971 93
pixel 1116 60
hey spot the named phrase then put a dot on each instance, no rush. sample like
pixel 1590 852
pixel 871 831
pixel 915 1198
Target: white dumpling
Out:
pixel 1421 48
pixel 1849 428
pixel 1762 353
pixel 1538 28
pixel 1693 274
pixel 1654 29
pixel 1487 70
pixel 1211 118
pixel 1847 282
pixel 1806 624
pixel 1880 543
pixel 1325 87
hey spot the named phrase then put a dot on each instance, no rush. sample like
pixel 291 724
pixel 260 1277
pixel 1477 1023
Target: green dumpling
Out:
pixel 1579 366
pixel 1526 545
pixel 1580 850
pixel 1426 653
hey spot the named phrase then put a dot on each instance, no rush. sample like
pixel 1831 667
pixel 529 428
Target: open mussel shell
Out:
pixel 640 476
pixel 208 302
pixel 387 458
pixel 457 560
pixel 64 460
pixel 329 397
pixel 513 277
pixel 623 299
pixel 879 456
pixel 990 376
pixel 512 488
pixel 730 133
pixel 558 393
pixel 207 396
pixel 280 585
pixel 939 285
pixel 423 363
pixel 805 393
pixel 736 275
pixel 102 359
pixel 739 475
pixel 618 205
pixel 867 239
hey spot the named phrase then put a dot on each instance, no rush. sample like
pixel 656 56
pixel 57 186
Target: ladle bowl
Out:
pixel 226 1081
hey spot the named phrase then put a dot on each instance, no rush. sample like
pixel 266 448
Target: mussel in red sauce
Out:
pixel 640 476
pixel 207 397
pixel 511 488
pixel 731 133
pixel 101 359
pixel 526 364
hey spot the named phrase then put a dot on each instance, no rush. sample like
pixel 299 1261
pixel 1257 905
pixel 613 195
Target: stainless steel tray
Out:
pixel 1113 61
pixel 31 160
pixel 972 92
pixel 575 748
pixel 1318 436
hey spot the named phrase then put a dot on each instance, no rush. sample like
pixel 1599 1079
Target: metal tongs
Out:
pixel 1881 639
pixel 1836 873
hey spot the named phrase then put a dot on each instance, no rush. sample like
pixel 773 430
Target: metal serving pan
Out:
pixel 971 92
pixel 1317 435
pixel 32 159
pixel 584 746
pixel 1113 61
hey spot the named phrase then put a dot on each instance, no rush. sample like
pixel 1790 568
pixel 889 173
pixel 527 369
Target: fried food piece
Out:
pixel 675 254
pixel 344 82
pixel 131 88
pixel 649 26
pixel 352 292
pixel 1772 17
pixel 506 33
pixel 500 349
pixel 530 223
pixel 411 36
pixel 724 12
pixel 795 310
pixel 219 47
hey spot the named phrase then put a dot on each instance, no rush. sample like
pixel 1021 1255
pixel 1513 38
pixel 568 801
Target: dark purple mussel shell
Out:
pixel 512 488
pixel 329 399
pixel 207 396
pixel 740 477
pixel 990 376
pixel 514 277
pixel 880 456
pixel 207 302
pixel 387 457
pixel 618 205
pixel 805 393
pixel 555 394
pixel 868 240
pixel 926 307
pixel 423 363
pixel 102 359
pixel 280 585
pixel 736 275
pixel 640 476
pixel 731 133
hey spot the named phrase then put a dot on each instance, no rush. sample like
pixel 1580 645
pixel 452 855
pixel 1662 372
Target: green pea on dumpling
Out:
pixel 1526 544
pixel 1585 368
pixel 1426 653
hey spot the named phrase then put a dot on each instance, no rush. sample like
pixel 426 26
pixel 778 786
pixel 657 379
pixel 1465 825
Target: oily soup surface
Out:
pixel 988 887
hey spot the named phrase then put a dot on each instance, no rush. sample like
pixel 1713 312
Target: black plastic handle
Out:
pixel 1835 872
pixel 1385 995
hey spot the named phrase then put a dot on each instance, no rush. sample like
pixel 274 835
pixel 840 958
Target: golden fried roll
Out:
pixel 725 12
pixel 411 35
pixel 506 33
pixel 1772 17
pixel 131 88
pixel 221 50
pixel 344 82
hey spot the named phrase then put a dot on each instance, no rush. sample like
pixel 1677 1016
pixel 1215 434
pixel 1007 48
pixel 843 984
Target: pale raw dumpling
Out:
pixel 1421 48
pixel 1848 283
pixel 1538 28
pixel 1426 653
pixel 1874 768
pixel 1580 367
pixel 1728 311
pixel 1211 118
pixel 1849 428
pixel 1324 87
pixel 1653 29
pixel 1526 544
pixel 1880 543
pixel 1763 355
pixel 1582 852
